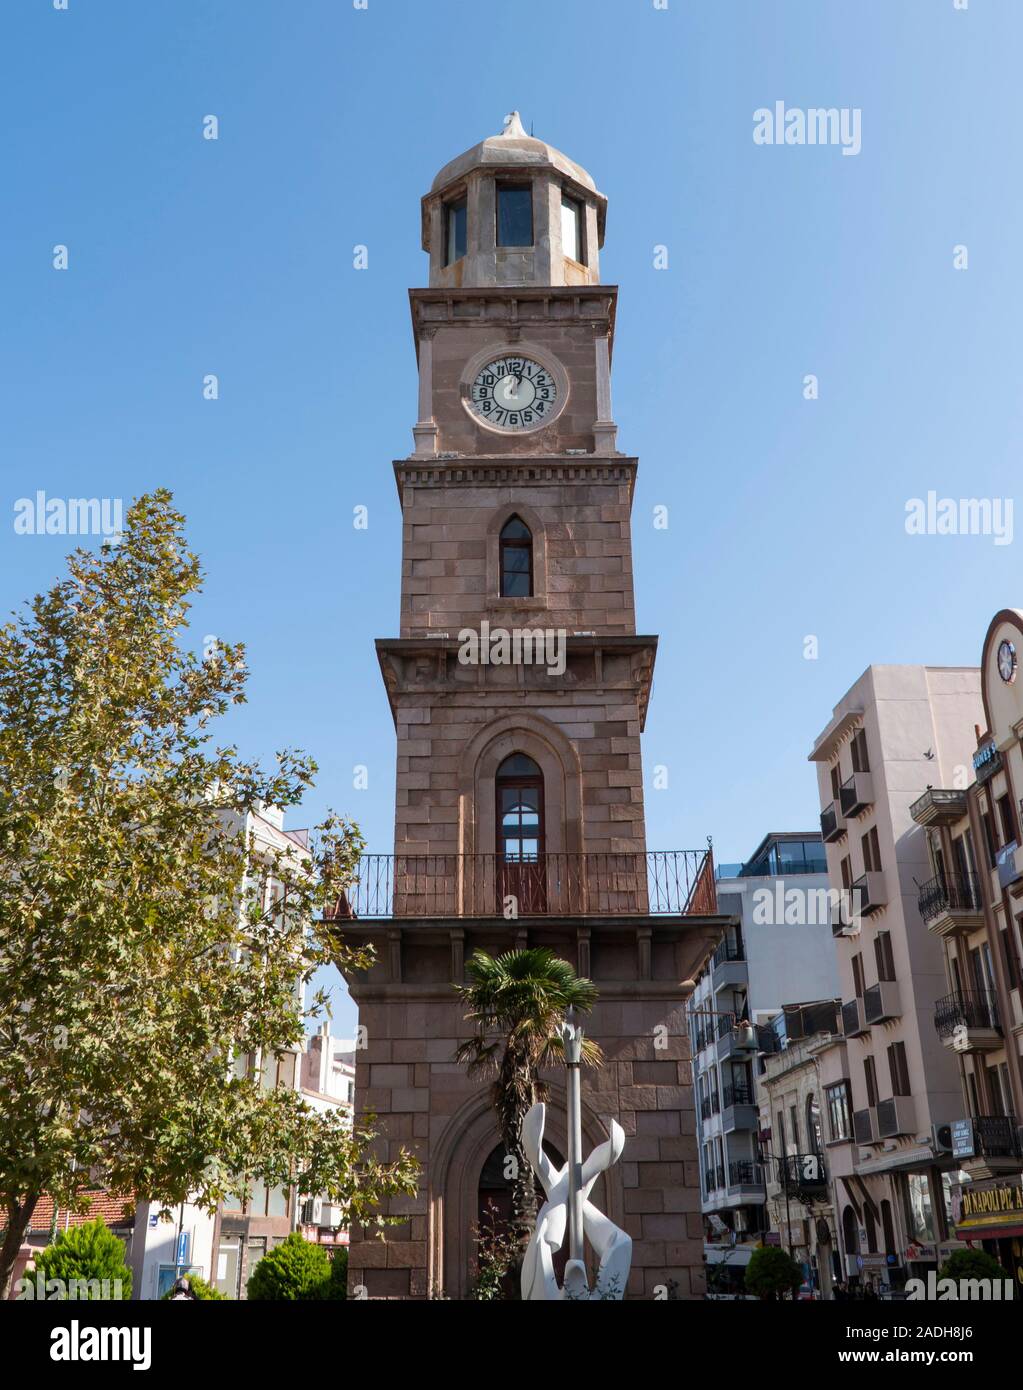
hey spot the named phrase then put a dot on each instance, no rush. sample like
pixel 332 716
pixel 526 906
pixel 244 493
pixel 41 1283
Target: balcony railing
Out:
pixel 996 1136
pixel 739 1094
pixel 856 794
pixel 965 1009
pixel 803 1174
pixel 743 1172
pixel 832 823
pixel 728 951
pixel 948 893
pixel 863 1125
pixel 658 883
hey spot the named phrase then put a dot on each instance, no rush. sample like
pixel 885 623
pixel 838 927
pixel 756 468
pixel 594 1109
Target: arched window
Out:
pixel 519 810
pixel 522 866
pixel 516 560
pixel 887 1227
pixel 871 1228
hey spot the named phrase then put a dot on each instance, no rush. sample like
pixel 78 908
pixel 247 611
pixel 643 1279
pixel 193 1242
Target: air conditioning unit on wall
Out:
pixel 312 1211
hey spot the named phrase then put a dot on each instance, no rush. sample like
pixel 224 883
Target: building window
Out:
pixel 989 837
pixel 514 214
pixel 836 782
pixel 572 229
pixel 455 232
pixel 857 970
pixel 883 957
pixel 898 1069
pixel 837 1100
pixel 870 1081
pixel 1007 819
pixel 814 1138
pixel 860 762
pixel 516 559
pixel 520 830
pixel 871 851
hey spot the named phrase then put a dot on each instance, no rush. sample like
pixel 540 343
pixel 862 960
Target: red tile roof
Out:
pixel 115 1211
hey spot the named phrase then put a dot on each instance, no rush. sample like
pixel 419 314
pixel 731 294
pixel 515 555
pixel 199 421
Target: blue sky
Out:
pixel 235 257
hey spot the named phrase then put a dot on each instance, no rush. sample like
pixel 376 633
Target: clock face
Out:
pixel 514 393
pixel 1006 661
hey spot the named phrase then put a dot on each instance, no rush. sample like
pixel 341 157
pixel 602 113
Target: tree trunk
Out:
pixel 18 1217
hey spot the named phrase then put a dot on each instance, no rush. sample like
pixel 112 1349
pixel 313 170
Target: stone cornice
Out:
pixel 502 470
pixel 393 652
pixel 512 306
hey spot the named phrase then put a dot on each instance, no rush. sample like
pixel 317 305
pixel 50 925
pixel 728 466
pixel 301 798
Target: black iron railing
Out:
pixel 739 1094
pixel 729 951
pixel 967 1009
pixel 803 1174
pixel 743 1172
pixel 660 882
pixel 996 1136
pixel 948 893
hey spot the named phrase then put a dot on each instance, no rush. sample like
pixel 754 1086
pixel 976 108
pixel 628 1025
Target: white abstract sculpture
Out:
pixel 568 1204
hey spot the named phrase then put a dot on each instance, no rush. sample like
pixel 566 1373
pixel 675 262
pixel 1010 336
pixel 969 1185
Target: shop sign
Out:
pixel 978 1206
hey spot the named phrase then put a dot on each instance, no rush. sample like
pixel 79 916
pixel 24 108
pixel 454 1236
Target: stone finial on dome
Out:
pixel 513 128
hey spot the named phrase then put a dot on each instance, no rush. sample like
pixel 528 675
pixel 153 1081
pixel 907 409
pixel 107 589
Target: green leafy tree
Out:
pixel 336 1287
pixel 295 1269
pixel 772 1273
pixel 517 1004
pixel 89 1261
pixel 148 942
pixel 497 1256
pixel 204 1292
pixel 971 1264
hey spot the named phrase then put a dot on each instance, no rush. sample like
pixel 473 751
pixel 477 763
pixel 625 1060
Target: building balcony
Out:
pixel 881 1002
pixel 987 1145
pixel 854 1023
pixel 660 882
pixel 951 902
pixel 832 823
pixel 896 1116
pixel 939 807
pixel 868 893
pixel 730 974
pixel 747 1175
pixel 738 1109
pixel 865 1125
pixel 804 1177
pixel 968 1022
pixel 856 794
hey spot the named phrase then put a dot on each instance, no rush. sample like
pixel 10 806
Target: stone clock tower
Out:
pixel 519 806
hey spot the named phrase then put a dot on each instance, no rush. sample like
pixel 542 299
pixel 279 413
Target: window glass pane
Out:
pixel 518 765
pixel 515 584
pixel 228 1258
pixel 515 530
pixel 516 559
pixel 570 245
pixel 278 1203
pixel 515 216
pixel 455 232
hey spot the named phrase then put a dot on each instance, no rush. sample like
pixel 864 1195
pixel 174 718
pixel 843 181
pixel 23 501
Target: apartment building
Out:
pixel 799 1204
pixel 972 906
pixel 779 948
pixel 890 1086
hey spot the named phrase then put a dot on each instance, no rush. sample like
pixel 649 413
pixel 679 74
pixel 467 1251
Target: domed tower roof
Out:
pixel 512 149
pixel 482 228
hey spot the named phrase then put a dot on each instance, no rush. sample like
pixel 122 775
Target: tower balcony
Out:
pixel 856 794
pixel 654 883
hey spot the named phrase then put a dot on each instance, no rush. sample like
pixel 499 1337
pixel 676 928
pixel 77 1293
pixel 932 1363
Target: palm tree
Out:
pixel 517 1003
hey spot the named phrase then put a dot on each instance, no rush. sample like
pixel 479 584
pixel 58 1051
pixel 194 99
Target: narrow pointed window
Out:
pixel 516 559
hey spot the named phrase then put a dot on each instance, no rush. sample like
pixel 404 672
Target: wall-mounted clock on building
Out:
pixel 1006 661
pixel 513 391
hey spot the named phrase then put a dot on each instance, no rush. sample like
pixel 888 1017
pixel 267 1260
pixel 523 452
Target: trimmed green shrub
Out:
pixel 295 1269
pixel 971 1264
pixel 89 1261
pixel 772 1272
